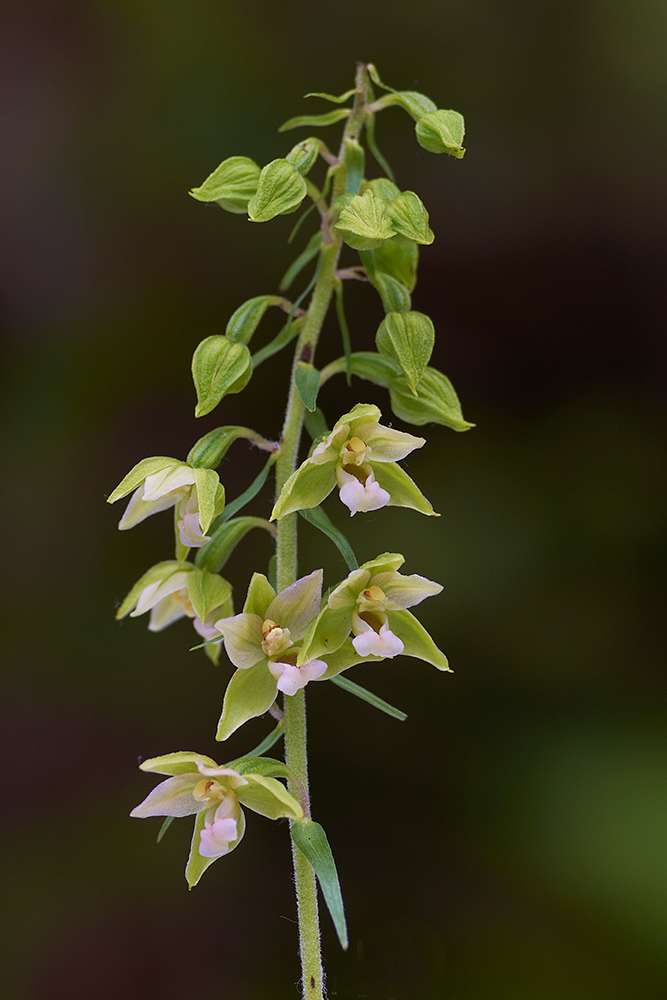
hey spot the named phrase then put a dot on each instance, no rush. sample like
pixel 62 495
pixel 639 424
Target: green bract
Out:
pixel 407 338
pixel 231 186
pixel 303 155
pixel 281 190
pixel 214 794
pixel 434 402
pixel 360 457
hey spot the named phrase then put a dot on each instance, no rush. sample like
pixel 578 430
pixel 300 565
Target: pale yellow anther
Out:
pixel 356 445
pixel 207 790
pixel 374 595
pixel 267 626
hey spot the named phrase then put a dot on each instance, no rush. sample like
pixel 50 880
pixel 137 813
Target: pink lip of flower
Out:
pixel 371 643
pixel 220 829
pixel 360 496
pixel 290 677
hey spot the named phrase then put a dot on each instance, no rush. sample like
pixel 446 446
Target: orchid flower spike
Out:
pixel 159 483
pixel 263 643
pixel 359 456
pixel 372 603
pixel 214 794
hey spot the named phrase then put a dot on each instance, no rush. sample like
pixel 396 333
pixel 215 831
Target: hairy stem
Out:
pixel 286 551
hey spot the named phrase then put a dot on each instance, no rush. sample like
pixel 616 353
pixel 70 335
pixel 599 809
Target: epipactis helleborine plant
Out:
pixel 288 634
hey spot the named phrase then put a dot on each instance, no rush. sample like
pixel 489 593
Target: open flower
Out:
pixel 173 590
pixel 263 643
pixel 160 483
pixel 359 456
pixel 371 604
pixel 214 794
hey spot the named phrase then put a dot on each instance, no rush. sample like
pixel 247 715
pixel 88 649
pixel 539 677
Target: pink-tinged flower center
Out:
pixel 275 640
pixel 372 598
pixel 354 451
pixel 208 791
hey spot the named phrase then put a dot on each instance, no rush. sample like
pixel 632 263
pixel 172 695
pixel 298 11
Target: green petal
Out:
pixel 307 487
pixel 410 218
pixel 249 693
pixel 387 562
pixel 405 591
pixel 362 413
pixel 404 492
pixel 416 639
pixel 326 634
pixel 296 606
pixel 268 797
pixel 231 185
pixel 136 476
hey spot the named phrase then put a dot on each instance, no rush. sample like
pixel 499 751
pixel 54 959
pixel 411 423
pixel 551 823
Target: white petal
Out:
pixel 386 444
pixel 372 643
pixel 178 477
pixel 155 592
pixel 137 509
pixel 189 531
pixel 361 497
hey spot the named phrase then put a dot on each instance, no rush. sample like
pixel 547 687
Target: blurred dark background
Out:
pixel 509 840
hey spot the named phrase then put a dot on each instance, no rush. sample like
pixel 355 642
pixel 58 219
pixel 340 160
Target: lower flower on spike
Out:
pixel 214 794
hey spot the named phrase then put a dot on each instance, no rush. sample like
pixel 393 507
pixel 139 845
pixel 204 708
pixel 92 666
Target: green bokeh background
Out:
pixel 510 839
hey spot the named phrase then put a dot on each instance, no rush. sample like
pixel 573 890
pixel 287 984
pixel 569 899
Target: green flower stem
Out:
pixel 286 553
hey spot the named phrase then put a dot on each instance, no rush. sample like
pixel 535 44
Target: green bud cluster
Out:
pixel 289 633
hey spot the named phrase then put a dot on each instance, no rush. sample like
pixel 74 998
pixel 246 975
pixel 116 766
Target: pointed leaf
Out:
pixel 307 379
pixel 329 118
pixel 410 218
pixel 318 519
pixel 231 185
pixel 441 132
pixel 282 339
pixel 372 699
pixel 403 490
pixel 407 338
pixel 311 840
pixel 250 693
pixel 219 367
pixel 281 190
pixel 436 401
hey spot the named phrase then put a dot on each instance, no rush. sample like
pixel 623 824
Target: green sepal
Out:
pixel 416 640
pixel 343 658
pixel 207 591
pixel 330 97
pixel 250 693
pixel 386 562
pixel 197 863
pixel 243 323
pixel 158 572
pixel 210 496
pixel 268 797
pixel 361 413
pixel 210 450
pixel 307 379
pixel 181 762
pixel 311 840
pixel 399 257
pixel 325 634
pixel 407 338
pixel 136 476
pixel 436 401
pixel 441 132
pixel 354 159
pixel 329 118
pixel 317 517
pixel 404 491
pixel 303 155
pixel 259 596
pixel 395 296
pixel 224 540
pixel 219 367
pixel 281 190
pixel 365 222
pixel 307 487
pixel 410 218
pixel 231 185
